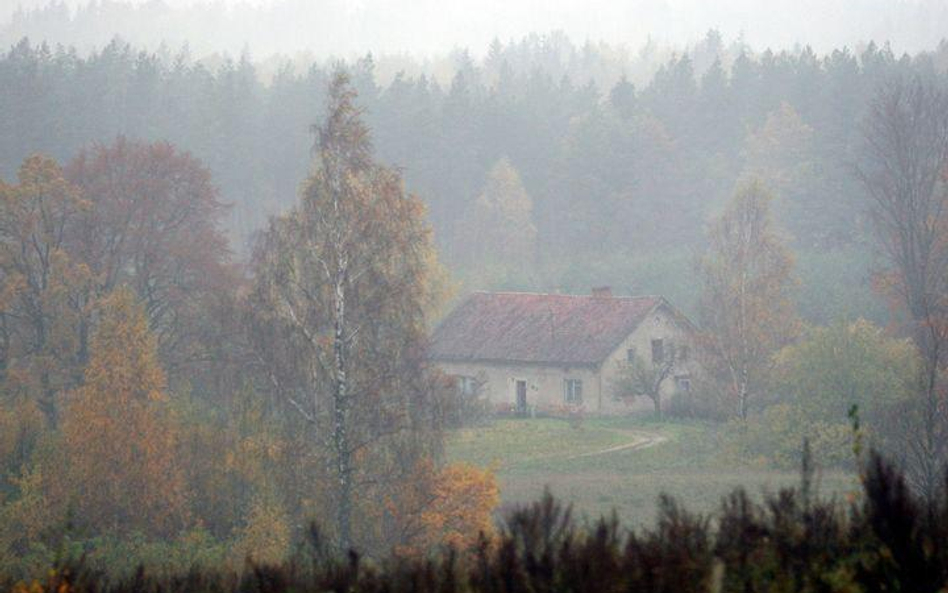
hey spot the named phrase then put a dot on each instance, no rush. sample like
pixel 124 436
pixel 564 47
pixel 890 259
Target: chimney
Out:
pixel 602 292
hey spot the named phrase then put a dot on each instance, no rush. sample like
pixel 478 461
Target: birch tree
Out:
pixel 746 311
pixel 343 284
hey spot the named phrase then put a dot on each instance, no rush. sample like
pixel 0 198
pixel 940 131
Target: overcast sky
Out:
pixel 434 26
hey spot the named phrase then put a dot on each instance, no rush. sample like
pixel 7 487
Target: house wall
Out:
pixel 545 383
pixel 660 324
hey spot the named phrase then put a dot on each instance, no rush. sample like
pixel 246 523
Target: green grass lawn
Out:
pixel 529 455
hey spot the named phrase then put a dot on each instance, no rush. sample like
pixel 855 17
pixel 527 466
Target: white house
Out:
pixel 527 351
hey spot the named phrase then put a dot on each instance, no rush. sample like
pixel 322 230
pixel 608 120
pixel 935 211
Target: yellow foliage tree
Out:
pixel 499 226
pixel 747 310
pixel 24 520
pixel 44 291
pixel 451 506
pixel 119 432
pixel 265 537
pixel 465 498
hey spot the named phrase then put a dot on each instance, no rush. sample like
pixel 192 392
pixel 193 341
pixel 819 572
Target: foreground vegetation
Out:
pixel 888 540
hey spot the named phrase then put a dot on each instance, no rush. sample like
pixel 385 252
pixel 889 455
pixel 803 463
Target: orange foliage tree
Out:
pixel 464 498
pixel 448 506
pixel 119 433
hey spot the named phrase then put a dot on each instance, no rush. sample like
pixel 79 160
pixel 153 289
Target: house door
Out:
pixel 522 398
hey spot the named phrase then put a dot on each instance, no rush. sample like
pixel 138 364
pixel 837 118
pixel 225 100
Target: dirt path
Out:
pixel 640 440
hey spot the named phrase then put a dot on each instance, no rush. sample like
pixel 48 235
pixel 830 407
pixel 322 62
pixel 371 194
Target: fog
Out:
pixel 430 27
pixel 394 295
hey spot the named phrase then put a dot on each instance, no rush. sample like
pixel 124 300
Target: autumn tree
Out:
pixel 498 225
pixel 342 286
pixel 153 225
pixel 746 310
pixel 265 537
pixel 450 506
pixel 905 175
pixel 782 153
pixel 779 148
pixel 43 287
pixel 119 432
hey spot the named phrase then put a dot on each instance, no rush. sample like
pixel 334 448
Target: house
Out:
pixel 526 351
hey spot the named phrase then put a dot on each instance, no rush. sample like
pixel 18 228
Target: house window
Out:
pixel 658 351
pixel 573 391
pixel 630 355
pixel 683 353
pixel 683 384
pixel 467 385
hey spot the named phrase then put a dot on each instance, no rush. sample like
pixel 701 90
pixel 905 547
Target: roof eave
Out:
pixel 514 362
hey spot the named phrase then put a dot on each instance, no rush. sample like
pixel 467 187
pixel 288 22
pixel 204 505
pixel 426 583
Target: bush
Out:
pixel 833 368
pixel 504 409
pixel 814 383
pixel 469 410
pixel 706 399
pixel 574 414
pixel 774 437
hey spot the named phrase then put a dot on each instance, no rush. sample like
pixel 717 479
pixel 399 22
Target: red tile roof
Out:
pixel 538 328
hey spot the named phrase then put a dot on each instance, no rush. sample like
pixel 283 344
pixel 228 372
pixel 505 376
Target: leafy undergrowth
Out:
pixel 888 540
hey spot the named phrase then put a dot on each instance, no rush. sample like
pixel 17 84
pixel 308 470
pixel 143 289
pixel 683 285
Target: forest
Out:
pixel 643 166
pixel 219 278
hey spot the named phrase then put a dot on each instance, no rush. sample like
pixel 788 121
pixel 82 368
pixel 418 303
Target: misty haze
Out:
pixel 487 297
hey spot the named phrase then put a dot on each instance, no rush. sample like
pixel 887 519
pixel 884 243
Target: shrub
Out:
pixel 774 437
pixel 833 368
pixel 574 414
pixel 891 540
pixel 814 383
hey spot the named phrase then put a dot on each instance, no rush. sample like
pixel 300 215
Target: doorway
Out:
pixel 521 398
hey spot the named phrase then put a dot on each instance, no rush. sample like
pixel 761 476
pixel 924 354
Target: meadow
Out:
pixel 622 464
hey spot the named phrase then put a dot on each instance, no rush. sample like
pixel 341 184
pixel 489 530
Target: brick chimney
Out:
pixel 602 292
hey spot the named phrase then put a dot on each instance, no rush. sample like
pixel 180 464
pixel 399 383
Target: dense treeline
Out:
pixel 617 180
pixel 794 541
